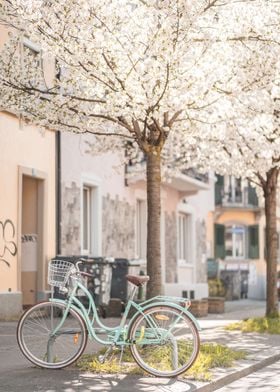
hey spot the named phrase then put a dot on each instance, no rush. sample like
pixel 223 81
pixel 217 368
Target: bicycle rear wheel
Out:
pixel 44 348
pixel 165 341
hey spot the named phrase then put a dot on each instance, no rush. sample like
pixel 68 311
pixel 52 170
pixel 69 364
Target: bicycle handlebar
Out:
pixel 81 260
pixel 79 272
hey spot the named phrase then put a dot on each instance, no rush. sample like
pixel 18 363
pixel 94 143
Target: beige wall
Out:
pixel 26 148
pixel 3 36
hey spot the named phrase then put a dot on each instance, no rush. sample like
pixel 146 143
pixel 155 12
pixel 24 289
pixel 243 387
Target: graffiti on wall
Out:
pixel 7 245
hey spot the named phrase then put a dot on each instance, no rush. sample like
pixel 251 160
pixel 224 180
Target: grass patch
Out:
pixel 211 355
pixel 258 324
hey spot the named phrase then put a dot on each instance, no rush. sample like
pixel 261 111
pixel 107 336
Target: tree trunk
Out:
pixel 153 174
pixel 270 192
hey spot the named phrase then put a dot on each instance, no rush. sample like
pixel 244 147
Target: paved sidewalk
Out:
pixel 262 349
pixel 265 380
pixel 18 375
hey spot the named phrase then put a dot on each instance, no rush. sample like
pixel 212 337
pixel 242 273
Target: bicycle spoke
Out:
pixel 43 348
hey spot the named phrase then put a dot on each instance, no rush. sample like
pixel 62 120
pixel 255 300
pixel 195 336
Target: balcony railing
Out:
pixel 245 197
pixel 196 175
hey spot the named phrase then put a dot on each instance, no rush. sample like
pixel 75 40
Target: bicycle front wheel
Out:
pixel 165 341
pixel 47 341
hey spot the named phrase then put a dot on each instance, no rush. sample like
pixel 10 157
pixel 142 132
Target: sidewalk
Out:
pixel 262 349
pixel 18 375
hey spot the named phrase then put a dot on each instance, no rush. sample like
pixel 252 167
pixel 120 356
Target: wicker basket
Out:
pixel 59 272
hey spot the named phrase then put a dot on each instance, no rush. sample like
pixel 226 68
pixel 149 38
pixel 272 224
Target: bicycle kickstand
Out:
pixel 102 358
pixel 121 354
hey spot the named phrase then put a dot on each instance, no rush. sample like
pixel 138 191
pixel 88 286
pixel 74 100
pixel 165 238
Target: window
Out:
pixel 235 190
pixel 31 52
pixel 141 229
pixel 184 237
pixel 32 63
pixel 235 241
pixel 91 215
pixel 87 219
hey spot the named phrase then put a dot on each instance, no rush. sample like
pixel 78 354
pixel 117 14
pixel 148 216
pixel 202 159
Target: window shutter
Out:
pixel 219 189
pixel 252 196
pixel 220 250
pixel 253 242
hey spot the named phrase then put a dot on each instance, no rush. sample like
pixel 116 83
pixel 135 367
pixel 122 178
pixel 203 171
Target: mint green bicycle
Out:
pixel 162 335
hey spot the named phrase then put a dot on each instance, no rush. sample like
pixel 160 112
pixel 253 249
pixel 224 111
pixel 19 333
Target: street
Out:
pixel 18 375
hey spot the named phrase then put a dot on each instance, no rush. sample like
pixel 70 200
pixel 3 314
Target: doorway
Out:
pixel 32 208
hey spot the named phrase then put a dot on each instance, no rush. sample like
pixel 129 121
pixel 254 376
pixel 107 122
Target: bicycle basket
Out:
pixel 59 272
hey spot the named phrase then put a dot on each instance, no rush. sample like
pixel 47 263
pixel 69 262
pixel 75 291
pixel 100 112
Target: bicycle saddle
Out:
pixel 137 280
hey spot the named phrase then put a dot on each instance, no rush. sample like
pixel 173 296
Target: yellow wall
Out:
pixel 238 216
pixel 26 148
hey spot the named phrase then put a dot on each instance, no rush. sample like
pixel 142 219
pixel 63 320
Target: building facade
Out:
pixel 103 213
pixel 59 199
pixel 27 210
pixel 238 232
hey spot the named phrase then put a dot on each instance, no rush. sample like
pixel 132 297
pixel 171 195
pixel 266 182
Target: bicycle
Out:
pixel 162 335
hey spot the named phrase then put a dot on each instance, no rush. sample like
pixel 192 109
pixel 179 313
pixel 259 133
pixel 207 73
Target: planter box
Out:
pixel 199 307
pixel 216 305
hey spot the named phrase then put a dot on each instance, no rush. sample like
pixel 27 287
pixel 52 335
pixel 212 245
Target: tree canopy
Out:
pixel 186 82
pixel 154 72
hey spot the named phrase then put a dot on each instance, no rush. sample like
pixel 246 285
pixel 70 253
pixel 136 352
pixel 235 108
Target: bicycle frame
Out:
pixel 118 335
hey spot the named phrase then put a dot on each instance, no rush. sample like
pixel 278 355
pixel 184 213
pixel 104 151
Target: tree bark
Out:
pixel 153 173
pixel 270 193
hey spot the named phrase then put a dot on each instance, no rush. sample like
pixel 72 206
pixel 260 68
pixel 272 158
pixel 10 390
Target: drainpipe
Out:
pixel 58 191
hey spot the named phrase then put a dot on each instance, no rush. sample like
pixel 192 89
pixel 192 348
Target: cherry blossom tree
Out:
pixel 137 71
pixel 248 144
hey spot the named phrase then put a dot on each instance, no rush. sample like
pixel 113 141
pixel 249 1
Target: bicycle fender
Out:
pixel 61 301
pixel 184 310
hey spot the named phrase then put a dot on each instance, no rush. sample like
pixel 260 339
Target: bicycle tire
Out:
pixel 42 348
pixel 160 359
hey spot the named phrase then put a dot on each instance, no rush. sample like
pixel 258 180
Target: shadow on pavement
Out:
pixel 39 380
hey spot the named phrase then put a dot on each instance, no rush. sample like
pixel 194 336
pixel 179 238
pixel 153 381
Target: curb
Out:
pixel 228 379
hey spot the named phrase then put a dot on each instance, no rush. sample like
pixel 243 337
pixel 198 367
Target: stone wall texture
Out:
pixel 171 248
pixel 201 265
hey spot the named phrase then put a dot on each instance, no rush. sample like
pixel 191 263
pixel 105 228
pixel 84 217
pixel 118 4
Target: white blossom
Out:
pixel 175 72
